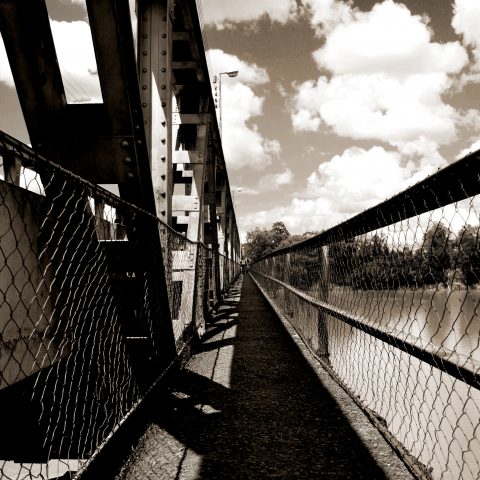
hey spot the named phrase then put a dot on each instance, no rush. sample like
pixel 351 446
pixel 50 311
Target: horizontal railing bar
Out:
pixel 30 158
pixel 456 182
pixel 10 145
pixel 425 354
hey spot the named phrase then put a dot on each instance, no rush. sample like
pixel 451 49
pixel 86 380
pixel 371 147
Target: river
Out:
pixel 434 415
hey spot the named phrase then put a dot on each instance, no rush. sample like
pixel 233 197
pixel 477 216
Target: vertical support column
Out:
pixel 210 224
pixel 286 269
pixel 220 189
pixel 226 245
pixel 155 41
pixel 194 230
pixel 222 224
pixel 198 161
pixel 11 168
pixel 100 224
pixel 231 238
pixel 237 250
pixel 237 245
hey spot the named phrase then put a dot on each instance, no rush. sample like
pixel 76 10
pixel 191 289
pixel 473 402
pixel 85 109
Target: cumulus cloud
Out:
pixel 222 13
pixel 465 21
pixel 359 178
pixel 327 14
pixel 345 185
pixel 243 144
pixel 248 73
pixel 387 79
pixel 377 107
pixel 388 39
pixel 472 148
pixel 300 216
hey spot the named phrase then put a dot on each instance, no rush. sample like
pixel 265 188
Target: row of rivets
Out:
pixel 127 159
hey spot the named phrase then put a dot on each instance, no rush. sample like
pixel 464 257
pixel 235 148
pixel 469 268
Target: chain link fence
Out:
pixel 97 299
pixel 389 302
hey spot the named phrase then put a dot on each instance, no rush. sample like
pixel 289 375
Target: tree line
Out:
pixel 441 259
pixel 373 264
pixel 261 241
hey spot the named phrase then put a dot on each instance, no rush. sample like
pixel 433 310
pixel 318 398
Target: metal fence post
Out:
pixel 323 294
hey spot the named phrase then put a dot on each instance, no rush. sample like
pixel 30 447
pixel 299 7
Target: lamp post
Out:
pixel 234 192
pixel 231 74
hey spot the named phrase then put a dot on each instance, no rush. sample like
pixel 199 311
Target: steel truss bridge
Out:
pixel 119 258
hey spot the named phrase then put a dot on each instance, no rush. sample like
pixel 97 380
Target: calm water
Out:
pixel 439 318
pixel 435 416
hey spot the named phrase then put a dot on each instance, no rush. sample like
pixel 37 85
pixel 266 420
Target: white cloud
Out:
pixel 74 47
pixel 274 181
pixel 472 148
pixel 5 72
pixel 222 13
pixel 346 185
pixel 243 144
pixel 465 22
pixel 388 39
pixel 422 158
pixel 305 119
pixel 358 178
pixel 327 14
pixel 387 82
pixel 469 119
pixel 300 216
pixel 248 73
pixel 377 107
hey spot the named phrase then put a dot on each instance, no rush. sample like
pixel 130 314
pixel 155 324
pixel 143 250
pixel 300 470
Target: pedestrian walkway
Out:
pixel 249 406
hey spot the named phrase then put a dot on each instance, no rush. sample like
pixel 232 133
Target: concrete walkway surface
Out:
pixel 249 406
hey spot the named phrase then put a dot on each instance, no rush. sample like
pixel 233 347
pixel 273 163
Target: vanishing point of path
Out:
pixel 248 406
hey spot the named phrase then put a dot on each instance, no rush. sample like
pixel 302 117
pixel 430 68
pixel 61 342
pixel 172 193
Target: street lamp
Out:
pixel 234 192
pixel 231 74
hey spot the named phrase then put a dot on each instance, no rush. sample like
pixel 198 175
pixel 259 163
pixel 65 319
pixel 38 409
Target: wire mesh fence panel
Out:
pixel 97 298
pixel 221 269
pixel 230 270
pixel 206 288
pixel 390 301
pixel 66 376
pixel 180 260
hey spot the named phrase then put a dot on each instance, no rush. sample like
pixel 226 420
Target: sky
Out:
pixel 337 105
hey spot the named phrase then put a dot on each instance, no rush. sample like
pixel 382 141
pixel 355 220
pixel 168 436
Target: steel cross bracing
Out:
pixel 155 135
pixel 167 247
pixel 156 128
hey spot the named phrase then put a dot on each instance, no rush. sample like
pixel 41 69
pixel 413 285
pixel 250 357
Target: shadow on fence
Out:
pixel 98 300
pixel 389 301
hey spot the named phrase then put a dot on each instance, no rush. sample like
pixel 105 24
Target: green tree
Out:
pixel 343 260
pixel 263 241
pixel 468 257
pixel 277 234
pixel 433 260
pixel 292 239
pixel 371 264
pixel 257 243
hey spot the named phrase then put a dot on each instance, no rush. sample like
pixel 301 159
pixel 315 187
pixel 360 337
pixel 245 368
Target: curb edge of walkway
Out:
pixel 390 458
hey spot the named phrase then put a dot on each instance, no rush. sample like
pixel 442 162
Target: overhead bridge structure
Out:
pixel 132 346
pixel 102 291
